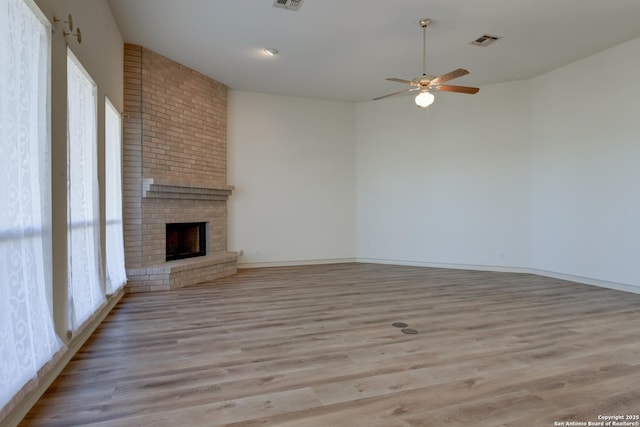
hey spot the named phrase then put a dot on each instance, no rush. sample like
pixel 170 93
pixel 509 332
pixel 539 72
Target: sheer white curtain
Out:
pixel 86 291
pixel 27 337
pixel 116 273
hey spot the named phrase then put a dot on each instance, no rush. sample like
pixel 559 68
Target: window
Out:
pixel 86 292
pixel 116 273
pixel 27 336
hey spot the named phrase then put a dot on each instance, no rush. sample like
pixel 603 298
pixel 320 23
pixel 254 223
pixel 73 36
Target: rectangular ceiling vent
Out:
pixel 294 5
pixel 485 40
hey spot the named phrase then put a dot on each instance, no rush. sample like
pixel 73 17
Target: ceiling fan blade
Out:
pixel 396 93
pixel 450 76
pixel 460 89
pixel 408 82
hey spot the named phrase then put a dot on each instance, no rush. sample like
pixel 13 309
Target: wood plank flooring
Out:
pixel 314 346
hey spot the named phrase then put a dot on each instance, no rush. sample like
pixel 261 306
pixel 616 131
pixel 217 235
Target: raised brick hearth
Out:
pixel 174 170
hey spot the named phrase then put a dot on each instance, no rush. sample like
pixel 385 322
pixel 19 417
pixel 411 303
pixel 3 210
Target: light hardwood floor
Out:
pixel 314 346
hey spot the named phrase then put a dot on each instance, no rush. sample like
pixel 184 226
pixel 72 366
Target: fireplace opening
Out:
pixel 186 240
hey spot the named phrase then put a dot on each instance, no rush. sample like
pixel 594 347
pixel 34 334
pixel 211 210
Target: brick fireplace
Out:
pixel 174 171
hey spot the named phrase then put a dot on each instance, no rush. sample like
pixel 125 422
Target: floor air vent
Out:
pixel 294 5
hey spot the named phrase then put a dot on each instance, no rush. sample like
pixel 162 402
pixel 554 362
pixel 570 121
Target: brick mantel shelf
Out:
pixel 185 192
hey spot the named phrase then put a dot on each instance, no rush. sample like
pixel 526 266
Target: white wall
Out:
pixel 446 186
pixel 291 161
pixel 585 186
pixel 531 176
pixel 540 175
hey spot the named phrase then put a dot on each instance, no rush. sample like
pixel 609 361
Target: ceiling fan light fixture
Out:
pixel 428 83
pixel 424 99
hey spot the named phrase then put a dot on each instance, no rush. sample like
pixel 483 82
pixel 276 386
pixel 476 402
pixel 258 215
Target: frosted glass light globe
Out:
pixel 424 99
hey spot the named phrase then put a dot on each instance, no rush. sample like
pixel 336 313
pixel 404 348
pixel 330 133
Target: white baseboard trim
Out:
pixel 45 379
pixel 499 268
pixel 504 269
pixel 588 281
pixel 538 272
pixel 293 263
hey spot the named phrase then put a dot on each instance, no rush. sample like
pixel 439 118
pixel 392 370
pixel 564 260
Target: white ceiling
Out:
pixel 344 50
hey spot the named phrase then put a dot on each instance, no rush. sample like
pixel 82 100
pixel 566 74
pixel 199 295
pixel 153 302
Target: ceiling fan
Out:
pixel 427 83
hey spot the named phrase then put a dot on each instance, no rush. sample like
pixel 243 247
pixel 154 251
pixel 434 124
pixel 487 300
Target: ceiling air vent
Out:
pixel 294 5
pixel 485 40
